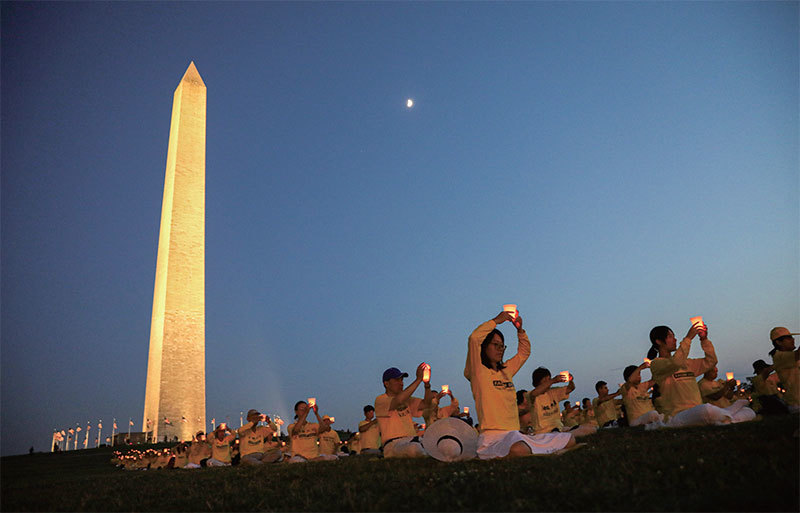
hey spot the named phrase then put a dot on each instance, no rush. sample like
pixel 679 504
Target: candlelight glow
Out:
pixel 646 360
pixel 512 309
pixel 445 388
pixel 565 375
pixel 466 409
pixel 312 401
pixel 697 320
pixel 409 103
pixel 728 375
pixel 426 374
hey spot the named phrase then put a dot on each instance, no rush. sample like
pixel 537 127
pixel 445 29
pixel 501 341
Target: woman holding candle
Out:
pixel 495 397
pixel 305 435
pixel 544 398
pixel 676 373
pixel 221 445
pixel 638 406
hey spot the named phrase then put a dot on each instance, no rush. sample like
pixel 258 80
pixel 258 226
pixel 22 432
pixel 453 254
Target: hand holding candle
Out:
pixel 728 376
pixel 426 373
pixel 446 389
pixel 312 402
pixel 565 376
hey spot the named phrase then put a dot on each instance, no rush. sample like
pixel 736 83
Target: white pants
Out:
pixel 404 448
pixel 257 458
pixel 651 417
pixel 322 457
pixel 192 465
pixel 704 414
pixel 211 462
pixel 497 444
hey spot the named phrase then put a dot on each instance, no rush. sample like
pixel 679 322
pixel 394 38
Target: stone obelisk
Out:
pixel 175 393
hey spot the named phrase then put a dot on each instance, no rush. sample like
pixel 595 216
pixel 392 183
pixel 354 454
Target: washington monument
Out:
pixel 175 393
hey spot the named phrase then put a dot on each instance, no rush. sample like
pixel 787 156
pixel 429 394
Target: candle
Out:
pixel 445 388
pixel 565 375
pixel 697 321
pixel 728 375
pixel 333 419
pixel 512 309
pixel 466 409
pixel 426 373
pixel 647 361
pixel 738 383
pixel 312 401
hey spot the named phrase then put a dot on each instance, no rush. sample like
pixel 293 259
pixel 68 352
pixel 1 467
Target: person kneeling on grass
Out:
pixel 544 398
pixel 221 445
pixel 253 440
pixel 305 435
pixel 605 409
pixel 635 397
pixel 675 375
pixel 496 398
pixel 394 411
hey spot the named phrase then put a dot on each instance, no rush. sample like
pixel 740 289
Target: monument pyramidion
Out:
pixel 175 392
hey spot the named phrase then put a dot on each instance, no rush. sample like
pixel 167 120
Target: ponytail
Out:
pixel 652 353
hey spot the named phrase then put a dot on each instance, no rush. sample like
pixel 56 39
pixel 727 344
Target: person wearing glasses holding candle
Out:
pixel 370 433
pixel 495 396
pixel 675 374
pixel 636 398
pixel 395 409
pixel 785 360
pixel 305 435
pixel 544 398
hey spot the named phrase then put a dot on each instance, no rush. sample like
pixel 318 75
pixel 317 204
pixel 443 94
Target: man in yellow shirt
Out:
pixel 199 451
pixel 605 410
pixel 369 440
pixel 786 360
pixel 329 440
pixel 394 411
pixel 221 445
pixel 254 440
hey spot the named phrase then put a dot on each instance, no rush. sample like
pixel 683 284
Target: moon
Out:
pixel 409 103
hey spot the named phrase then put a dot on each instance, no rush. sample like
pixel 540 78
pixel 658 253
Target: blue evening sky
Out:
pixel 607 166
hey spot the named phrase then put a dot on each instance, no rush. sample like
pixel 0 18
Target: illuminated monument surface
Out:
pixel 176 382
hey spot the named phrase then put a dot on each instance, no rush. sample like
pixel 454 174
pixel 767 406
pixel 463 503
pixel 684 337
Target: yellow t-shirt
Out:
pixel 789 373
pixel 199 451
pixel 221 449
pixel 763 386
pixel 355 444
pixel 371 438
pixel 493 391
pixel 305 442
pixel 571 418
pixel 587 417
pixel 676 377
pixel 181 459
pixel 710 387
pixel 449 410
pixel 605 411
pixel 396 423
pixel 253 441
pixel 545 413
pixel 329 442
pixel 636 400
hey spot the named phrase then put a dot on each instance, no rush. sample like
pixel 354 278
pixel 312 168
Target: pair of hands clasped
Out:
pixel 505 316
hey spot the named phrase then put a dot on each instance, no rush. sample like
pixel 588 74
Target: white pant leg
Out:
pixel 254 458
pixel 326 457
pixel 497 444
pixel 297 459
pixel 211 462
pixel 192 465
pixel 647 418
pixel 740 412
pixel 700 415
pixel 404 448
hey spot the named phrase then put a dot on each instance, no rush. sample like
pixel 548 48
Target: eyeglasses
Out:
pixel 500 347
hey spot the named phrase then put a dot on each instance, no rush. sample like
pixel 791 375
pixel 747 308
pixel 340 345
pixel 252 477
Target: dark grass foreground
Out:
pixel 746 467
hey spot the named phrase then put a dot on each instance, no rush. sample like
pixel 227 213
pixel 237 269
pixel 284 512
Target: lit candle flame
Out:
pixel 728 375
pixel 697 321
pixel 445 388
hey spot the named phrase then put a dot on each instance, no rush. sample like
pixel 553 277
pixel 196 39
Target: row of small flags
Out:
pixel 71 434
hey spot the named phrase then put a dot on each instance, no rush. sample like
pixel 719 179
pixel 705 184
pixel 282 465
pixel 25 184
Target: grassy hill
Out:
pixel 746 467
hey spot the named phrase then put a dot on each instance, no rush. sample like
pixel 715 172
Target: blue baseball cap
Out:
pixel 393 372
